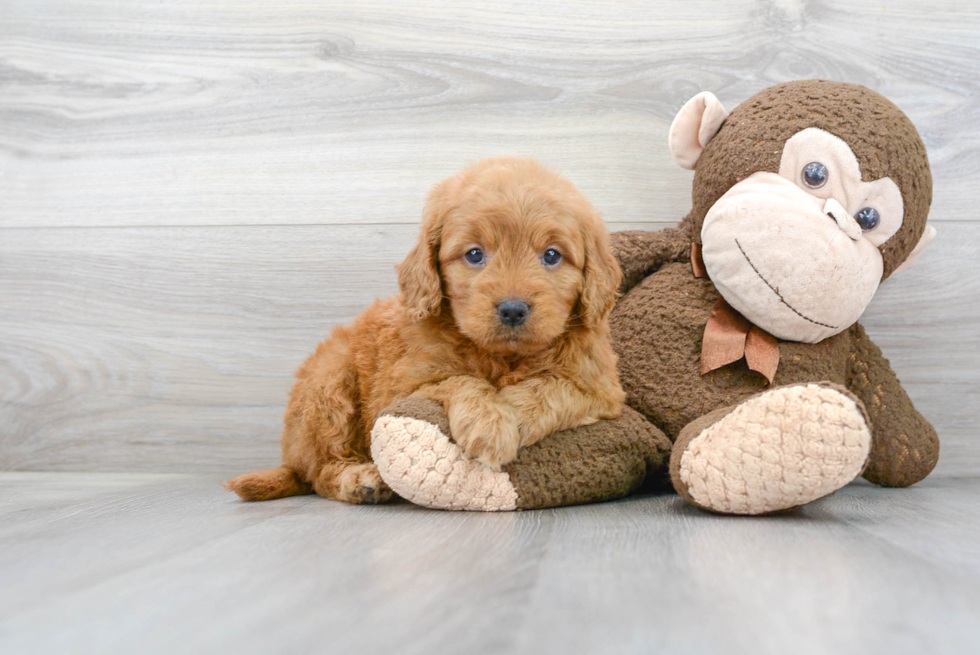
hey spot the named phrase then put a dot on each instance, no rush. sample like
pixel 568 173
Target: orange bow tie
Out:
pixel 729 336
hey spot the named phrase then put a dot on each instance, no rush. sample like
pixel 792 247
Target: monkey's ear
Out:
pixel 927 236
pixel 693 127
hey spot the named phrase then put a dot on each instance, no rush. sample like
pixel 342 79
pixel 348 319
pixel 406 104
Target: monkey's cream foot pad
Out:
pixel 421 464
pixel 778 450
pixel 412 446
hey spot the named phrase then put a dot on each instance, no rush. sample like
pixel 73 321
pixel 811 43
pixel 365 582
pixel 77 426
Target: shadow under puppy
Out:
pixel 502 318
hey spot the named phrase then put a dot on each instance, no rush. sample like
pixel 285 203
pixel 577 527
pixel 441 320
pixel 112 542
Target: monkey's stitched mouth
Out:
pixel 779 295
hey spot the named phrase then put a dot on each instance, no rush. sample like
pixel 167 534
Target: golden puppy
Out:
pixel 502 318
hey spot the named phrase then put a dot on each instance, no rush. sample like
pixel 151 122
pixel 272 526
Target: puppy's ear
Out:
pixel 418 275
pixel 602 274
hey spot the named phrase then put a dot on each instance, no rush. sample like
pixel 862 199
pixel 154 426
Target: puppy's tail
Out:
pixel 266 485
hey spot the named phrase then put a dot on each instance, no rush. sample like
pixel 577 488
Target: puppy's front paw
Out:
pixel 486 431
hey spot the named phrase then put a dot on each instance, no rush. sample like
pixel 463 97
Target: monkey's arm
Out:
pixel 640 252
pixel 905 447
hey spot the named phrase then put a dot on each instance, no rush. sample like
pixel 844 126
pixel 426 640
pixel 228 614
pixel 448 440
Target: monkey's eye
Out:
pixel 868 218
pixel 815 175
pixel 551 257
pixel 474 256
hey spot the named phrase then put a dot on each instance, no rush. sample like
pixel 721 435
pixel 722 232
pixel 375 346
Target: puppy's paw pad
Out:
pixel 362 485
pixel 372 495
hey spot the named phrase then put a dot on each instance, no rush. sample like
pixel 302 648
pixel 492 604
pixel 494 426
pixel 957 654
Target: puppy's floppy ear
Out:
pixel 601 272
pixel 418 275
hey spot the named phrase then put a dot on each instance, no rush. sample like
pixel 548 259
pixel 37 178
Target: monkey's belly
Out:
pixel 657 330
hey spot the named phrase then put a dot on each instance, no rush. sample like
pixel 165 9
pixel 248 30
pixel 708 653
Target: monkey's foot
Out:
pixel 418 460
pixel 778 450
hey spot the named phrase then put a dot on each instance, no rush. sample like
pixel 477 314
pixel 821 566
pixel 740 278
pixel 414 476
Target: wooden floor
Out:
pixel 138 563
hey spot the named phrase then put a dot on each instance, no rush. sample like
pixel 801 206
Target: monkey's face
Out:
pixel 796 252
pixel 805 197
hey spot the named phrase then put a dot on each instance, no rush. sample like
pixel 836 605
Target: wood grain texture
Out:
pixel 249 112
pixel 159 564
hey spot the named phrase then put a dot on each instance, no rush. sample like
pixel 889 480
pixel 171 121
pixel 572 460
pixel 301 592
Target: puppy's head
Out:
pixel 517 255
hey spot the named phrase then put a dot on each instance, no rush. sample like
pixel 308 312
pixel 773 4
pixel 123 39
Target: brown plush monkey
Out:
pixel 737 331
pixel 737 334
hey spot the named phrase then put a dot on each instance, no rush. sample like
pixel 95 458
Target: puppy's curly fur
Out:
pixel 490 238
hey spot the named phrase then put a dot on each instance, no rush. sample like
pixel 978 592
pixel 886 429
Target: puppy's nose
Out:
pixel 512 312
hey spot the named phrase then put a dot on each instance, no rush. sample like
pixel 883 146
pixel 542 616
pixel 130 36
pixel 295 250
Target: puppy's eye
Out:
pixel 551 257
pixel 474 256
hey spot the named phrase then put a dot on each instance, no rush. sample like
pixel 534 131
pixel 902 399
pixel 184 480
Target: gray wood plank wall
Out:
pixel 192 193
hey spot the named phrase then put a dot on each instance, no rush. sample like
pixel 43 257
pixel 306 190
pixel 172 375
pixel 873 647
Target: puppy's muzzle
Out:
pixel 513 312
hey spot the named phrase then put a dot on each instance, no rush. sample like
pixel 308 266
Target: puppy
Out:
pixel 502 318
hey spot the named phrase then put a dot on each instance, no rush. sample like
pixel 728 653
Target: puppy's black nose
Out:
pixel 512 312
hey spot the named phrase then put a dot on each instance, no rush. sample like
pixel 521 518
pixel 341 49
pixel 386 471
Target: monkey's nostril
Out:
pixel 513 312
pixel 836 212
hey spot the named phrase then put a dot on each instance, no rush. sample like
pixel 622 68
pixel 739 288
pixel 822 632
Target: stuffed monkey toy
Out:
pixel 737 332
